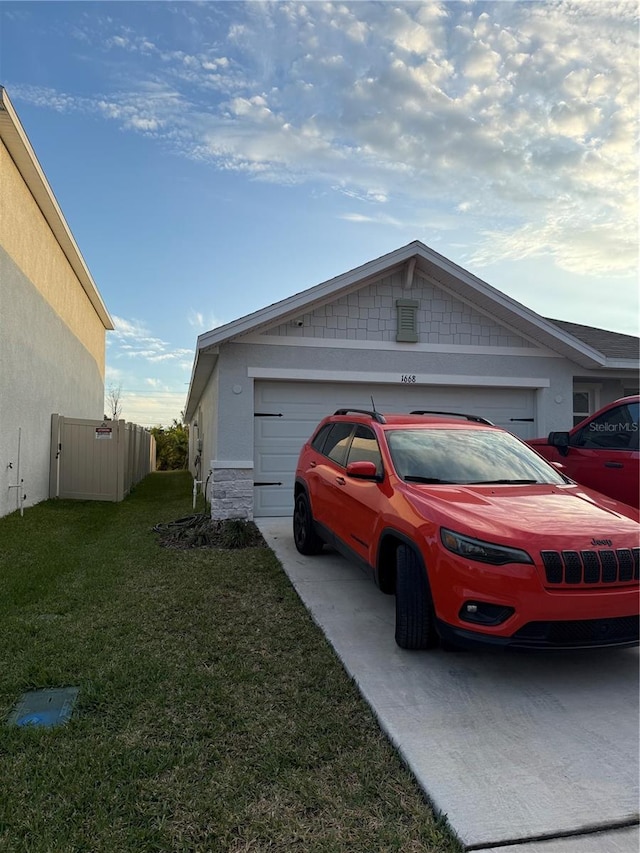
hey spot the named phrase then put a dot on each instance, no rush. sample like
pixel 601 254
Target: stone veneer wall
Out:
pixel 232 493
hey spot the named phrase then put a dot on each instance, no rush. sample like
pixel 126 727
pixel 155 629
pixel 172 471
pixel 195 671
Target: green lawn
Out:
pixel 212 714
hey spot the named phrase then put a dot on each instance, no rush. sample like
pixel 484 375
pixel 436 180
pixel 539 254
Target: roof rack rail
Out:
pixel 475 418
pixel 375 415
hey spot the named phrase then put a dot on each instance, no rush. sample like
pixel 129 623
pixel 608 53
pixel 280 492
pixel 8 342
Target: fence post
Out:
pixel 54 456
pixel 122 451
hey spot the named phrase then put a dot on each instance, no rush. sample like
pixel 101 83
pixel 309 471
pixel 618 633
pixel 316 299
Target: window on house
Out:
pixel 585 402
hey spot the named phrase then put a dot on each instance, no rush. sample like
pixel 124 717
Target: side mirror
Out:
pixel 560 440
pixel 362 470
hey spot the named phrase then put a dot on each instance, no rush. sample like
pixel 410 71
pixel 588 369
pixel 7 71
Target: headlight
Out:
pixel 483 552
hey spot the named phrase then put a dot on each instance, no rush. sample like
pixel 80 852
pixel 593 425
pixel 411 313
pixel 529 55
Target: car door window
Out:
pixel 364 448
pixel 337 442
pixel 320 438
pixel 616 429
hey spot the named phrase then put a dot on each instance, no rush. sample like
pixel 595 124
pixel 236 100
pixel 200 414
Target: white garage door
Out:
pixel 286 414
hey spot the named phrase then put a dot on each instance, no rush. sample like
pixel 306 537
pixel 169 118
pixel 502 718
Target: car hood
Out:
pixel 528 516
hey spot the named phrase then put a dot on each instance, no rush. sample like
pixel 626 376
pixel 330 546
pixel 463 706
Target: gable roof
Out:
pixel 414 258
pixel 17 144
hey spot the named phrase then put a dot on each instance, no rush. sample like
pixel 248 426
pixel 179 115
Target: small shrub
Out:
pixel 238 533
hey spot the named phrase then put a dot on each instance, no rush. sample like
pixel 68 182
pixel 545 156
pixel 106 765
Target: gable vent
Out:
pixel 407 310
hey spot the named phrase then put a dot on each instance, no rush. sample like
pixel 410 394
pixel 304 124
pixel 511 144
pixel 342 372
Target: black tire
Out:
pixel 415 623
pixel 305 537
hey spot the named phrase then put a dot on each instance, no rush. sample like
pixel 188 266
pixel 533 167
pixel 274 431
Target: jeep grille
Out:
pixel 591 567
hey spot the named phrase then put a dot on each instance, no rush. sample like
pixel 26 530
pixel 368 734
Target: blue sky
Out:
pixel 214 157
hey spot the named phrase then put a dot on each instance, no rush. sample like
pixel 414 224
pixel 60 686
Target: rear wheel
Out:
pixel 415 622
pixel 304 535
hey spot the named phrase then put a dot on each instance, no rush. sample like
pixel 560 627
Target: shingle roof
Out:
pixel 610 344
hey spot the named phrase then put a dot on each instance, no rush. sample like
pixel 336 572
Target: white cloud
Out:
pixel 521 115
pixel 132 339
pixel 175 355
pixel 378 219
pixel 203 322
pixel 137 358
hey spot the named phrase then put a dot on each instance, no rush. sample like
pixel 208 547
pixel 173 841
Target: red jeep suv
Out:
pixel 480 539
pixel 601 451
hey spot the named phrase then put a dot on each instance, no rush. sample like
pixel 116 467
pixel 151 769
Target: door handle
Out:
pixel 613 465
pixel 313 464
pixel 340 481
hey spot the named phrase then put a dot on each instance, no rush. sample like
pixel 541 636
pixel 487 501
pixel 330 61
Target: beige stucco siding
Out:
pixel 44 368
pixel 30 243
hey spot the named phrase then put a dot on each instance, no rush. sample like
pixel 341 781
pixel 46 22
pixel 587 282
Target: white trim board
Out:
pixel 393 346
pixel 299 375
pixel 216 464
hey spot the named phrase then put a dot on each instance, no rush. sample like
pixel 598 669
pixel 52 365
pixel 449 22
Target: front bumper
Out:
pixel 542 615
pixel 615 632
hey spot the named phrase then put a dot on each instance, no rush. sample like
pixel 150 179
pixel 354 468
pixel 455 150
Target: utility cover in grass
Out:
pixel 49 707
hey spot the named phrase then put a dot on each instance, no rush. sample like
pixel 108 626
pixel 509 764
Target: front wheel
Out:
pixel 415 622
pixel 304 535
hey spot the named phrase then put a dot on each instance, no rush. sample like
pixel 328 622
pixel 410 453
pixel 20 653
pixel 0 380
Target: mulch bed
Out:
pixel 201 531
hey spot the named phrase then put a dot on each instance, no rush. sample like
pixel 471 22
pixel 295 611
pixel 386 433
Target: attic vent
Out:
pixel 407 320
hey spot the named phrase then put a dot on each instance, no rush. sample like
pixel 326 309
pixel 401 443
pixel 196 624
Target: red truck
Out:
pixel 601 452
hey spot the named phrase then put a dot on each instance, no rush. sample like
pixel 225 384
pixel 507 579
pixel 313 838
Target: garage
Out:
pixel 410 329
pixel 286 413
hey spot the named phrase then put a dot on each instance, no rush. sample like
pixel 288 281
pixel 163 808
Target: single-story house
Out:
pixel 53 321
pixel 408 330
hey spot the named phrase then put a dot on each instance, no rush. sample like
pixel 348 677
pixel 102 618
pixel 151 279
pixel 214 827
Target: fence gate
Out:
pixel 97 460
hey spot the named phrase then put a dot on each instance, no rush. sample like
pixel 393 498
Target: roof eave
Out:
pixel 291 306
pixel 17 143
pixel 433 266
pixel 512 313
pixel 622 364
pixel 203 366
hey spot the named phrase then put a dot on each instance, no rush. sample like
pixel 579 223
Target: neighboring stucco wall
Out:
pixel 28 240
pixel 44 368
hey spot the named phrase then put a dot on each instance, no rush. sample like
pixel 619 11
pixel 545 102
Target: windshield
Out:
pixel 466 456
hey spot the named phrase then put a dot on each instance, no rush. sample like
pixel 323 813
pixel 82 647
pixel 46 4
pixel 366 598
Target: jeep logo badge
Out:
pixel 601 542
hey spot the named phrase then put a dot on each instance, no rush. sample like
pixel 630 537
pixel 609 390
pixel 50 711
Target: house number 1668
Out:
pixel 408 378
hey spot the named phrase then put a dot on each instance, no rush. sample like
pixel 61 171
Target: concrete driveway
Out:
pixel 525 753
